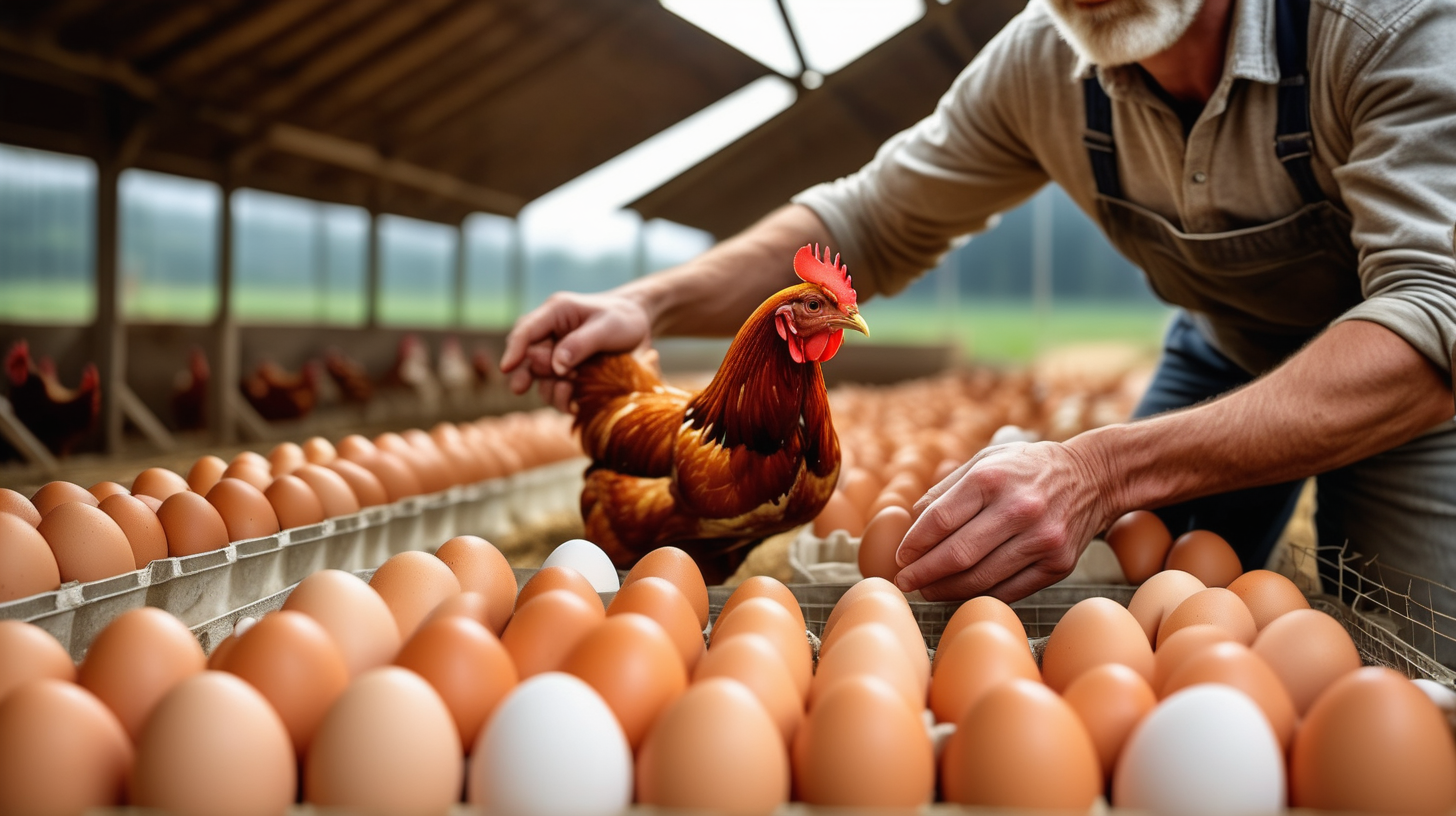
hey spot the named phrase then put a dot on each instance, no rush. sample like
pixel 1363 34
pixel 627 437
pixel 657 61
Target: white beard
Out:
pixel 1119 32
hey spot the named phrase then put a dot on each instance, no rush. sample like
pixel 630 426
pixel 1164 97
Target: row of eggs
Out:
pixel 65 532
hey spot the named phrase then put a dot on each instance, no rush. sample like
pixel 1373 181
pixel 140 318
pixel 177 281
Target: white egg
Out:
pixel 587 559
pixel 1442 696
pixel 1206 750
pixel 552 747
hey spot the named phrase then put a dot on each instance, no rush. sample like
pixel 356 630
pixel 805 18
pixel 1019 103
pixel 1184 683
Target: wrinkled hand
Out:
pixel 1012 520
pixel 548 343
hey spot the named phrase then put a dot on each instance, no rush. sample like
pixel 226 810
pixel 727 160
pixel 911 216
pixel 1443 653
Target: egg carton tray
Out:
pixel 510 512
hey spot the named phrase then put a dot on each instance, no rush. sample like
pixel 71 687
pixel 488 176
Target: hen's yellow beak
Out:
pixel 858 324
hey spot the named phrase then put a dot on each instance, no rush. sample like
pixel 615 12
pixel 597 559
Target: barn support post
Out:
pixel 110 328
pixel 223 394
pixel 457 307
pixel 371 266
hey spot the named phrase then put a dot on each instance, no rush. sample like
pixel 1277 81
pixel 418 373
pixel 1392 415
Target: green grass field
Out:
pixel 1013 331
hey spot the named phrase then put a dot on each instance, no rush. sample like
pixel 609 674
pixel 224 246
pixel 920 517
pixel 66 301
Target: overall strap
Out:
pixel 1292 140
pixel 1098 138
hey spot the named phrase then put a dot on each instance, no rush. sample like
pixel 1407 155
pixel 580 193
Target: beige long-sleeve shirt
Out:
pixel 1383 109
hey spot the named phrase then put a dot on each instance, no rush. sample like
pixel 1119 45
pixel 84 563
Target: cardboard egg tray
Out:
pixel 199 588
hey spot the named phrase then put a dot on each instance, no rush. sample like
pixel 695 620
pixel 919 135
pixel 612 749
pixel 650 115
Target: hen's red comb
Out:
pixel 831 276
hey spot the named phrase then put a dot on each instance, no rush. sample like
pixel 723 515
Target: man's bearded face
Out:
pixel 1118 32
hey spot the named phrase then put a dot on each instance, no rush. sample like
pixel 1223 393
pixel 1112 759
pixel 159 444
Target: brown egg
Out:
pixel 1373 743
pixel 294 663
pixel 1233 664
pixel 762 586
pixel 28 652
pixel 101 490
pixel 945 469
pixel 285 458
pixel 752 660
pixel 1216 606
pixel 61 751
pixel 907 484
pixel 714 749
pixel 1110 700
pixel 214 745
pixel 355 447
pixel 546 628
pixel 859 590
pixel 882 537
pixel 632 663
pixel 158 483
pixel 204 474
pixel 365 485
pixel 839 514
pixel 1021 746
pixel 27 565
pixel 87 544
pixel 1267 595
pixel 481 568
pixel 679 569
pixel 334 495
pixel 1181 645
pixel 895 613
pixel 319 451
pixel 255 475
pixel 980 657
pixel 153 503
pixel 661 601
pixel 252 459
pixel 1140 541
pixel 358 620
pixel 975 610
pixel 466 665
pixel 1205 556
pixel 889 498
pixel 136 660
pixel 219 656
pixel 1093 632
pixel 54 494
pixel 861 746
pixel 766 617
pixel 861 488
pixel 19 506
pixel 868 649
pixel 1308 650
pixel 565 578
pixel 451 443
pixel 295 502
pixel 192 525
pixel 1159 596
pixel 244 509
pixel 430 459
pixel 142 528
pixel 398 479
pixel 470 605
pixel 412 584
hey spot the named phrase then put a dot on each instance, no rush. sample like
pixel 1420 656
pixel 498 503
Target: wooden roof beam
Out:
pixel 234 40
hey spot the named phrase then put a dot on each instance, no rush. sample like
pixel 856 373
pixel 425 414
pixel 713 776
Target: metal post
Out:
pixel 457 309
pixel 321 262
pixel 110 324
pixel 1041 261
pixel 371 272
pixel 517 270
pixel 227 349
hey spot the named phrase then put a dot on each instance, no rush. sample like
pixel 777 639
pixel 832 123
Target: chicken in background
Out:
pixel 350 376
pixel 456 374
pixel 753 454
pixel 484 364
pixel 277 394
pixel 189 392
pixel 411 370
pixel 60 417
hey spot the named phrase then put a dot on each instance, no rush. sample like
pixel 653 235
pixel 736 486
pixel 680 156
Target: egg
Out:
pixel 1159 596
pixel 861 488
pixel 251 459
pixel 394 475
pixel 470 605
pixel 893 612
pixel 1205 556
pixel 546 628
pixel 285 458
pixel 1216 606
pixel 632 663
pixel 136 660
pixel 1267 595
pixel 355 447
pixel 679 569
pixel 861 746
pixel 1308 650
pixel 881 541
pixel 293 662
pixel 868 649
pixel 17 505
pixel 255 475
pixel 714 749
pixel 481 568
pixel 978 658
pixel 753 661
pixel 1374 743
pixel 566 578
pixel 412 584
pixel 975 610
pixel 839 513
pixel 762 586
pixel 1140 541
pixel 358 620
pixel 204 473
pixel 388 746
pixel 766 617
pixel 28 652
pixel 192 525
pixel 1233 664
pixel 159 483
pixel 334 494
pixel 244 509
pixel 87 544
pixel 587 559
pixel 53 494
pixel 319 451
pixel 153 504
pixel 1205 751
pixel 551 728
pixel 61 751
pixel 364 484
pixel 1180 646
pixel 101 490
pixel 1110 700
pixel 1021 746
pixel 889 498
pixel 294 502
pixel 1093 632
pixel 661 601
pixel 867 586
pixel 27 565
pixel 466 665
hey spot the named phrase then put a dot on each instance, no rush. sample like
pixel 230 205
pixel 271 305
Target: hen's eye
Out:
pixel 813 305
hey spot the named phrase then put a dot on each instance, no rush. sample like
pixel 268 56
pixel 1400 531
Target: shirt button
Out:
pixel 1200 177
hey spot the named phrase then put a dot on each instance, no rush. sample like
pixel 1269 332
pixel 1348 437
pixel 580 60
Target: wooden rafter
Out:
pixel 261 27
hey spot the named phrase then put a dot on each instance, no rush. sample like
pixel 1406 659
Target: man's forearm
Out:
pixel 1356 390
pixel 714 293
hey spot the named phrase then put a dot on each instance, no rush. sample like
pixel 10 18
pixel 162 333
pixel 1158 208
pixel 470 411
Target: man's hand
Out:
pixel 1012 520
pixel 552 339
